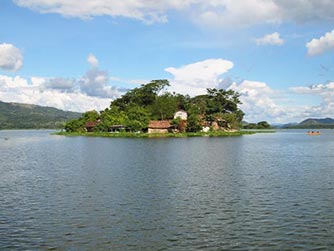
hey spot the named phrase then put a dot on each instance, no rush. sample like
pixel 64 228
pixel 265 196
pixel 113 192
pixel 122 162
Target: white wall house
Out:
pixel 181 114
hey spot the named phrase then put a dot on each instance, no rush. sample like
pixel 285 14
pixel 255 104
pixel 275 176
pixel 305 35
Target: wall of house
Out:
pixel 181 114
pixel 151 130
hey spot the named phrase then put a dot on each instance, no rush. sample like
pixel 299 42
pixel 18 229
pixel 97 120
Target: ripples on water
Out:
pixel 255 192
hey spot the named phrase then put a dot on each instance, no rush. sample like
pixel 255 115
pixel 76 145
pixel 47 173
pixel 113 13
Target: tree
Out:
pixel 141 96
pixel 193 123
pixel 90 116
pixel 78 125
pixel 137 118
pixel 74 125
pixel 164 106
pixel 263 125
pixel 231 120
pixel 110 117
pixel 222 101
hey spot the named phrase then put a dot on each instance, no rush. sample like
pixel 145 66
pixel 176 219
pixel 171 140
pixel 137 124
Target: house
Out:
pixel 159 126
pixel 181 114
pixel 117 128
pixel 90 125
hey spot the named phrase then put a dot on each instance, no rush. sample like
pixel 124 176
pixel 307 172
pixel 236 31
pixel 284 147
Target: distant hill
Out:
pixel 313 123
pixel 26 116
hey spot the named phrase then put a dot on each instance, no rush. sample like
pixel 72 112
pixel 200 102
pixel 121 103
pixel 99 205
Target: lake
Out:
pixel 268 191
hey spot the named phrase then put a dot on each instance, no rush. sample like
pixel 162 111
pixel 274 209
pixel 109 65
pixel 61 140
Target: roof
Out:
pixel 91 123
pixel 159 124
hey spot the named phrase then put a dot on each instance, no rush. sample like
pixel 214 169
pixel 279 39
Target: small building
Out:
pixel 181 114
pixel 160 126
pixel 117 128
pixel 90 125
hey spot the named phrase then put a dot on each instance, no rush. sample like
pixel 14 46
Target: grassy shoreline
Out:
pixel 156 135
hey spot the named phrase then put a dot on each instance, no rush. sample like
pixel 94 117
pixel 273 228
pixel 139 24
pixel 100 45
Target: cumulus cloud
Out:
pixel 270 39
pixel 225 13
pixel 92 60
pixel 148 11
pixel 194 79
pixel 205 12
pixel 61 84
pixel 324 91
pixel 92 91
pixel 319 46
pixel 302 11
pixel 11 58
pixel 32 91
pixel 96 83
pixel 326 94
pixel 259 101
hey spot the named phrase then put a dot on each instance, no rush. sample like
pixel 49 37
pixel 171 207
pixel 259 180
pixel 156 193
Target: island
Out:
pixel 152 111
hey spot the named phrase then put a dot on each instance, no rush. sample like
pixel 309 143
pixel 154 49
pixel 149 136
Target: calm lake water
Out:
pixel 256 192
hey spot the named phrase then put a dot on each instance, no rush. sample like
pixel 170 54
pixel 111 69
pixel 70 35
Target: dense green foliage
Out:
pixel 259 125
pixel 25 116
pixel 152 101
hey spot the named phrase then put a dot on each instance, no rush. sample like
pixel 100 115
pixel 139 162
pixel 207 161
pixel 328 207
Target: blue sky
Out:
pixel 79 55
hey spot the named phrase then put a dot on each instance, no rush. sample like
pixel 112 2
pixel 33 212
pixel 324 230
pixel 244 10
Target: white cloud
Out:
pixel 324 108
pixel 61 84
pixel 205 12
pixel 92 91
pixel 326 94
pixel 92 60
pixel 11 58
pixel 259 101
pixel 319 46
pixel 227 13
pixel 32 91
pixel 194 79
pixel 302 11
pixel 96 83
pixel 270 39
pixel 147 11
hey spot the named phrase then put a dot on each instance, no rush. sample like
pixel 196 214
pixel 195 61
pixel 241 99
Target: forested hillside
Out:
pixel 26 116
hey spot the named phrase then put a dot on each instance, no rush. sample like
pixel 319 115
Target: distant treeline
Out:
pixel 259 125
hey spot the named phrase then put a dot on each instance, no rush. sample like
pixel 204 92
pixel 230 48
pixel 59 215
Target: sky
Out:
pixel 79 55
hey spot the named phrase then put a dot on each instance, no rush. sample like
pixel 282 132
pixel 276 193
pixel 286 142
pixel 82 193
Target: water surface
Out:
pixel 256 192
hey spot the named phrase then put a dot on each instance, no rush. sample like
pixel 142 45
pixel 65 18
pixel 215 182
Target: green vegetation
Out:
pixel 260 125
pixel 25 116
pixel 152 101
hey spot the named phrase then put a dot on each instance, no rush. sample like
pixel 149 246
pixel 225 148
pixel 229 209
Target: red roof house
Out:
pixel 90 125
pixel 159 126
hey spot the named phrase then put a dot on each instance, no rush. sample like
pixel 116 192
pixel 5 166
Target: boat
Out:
pixel 312 133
